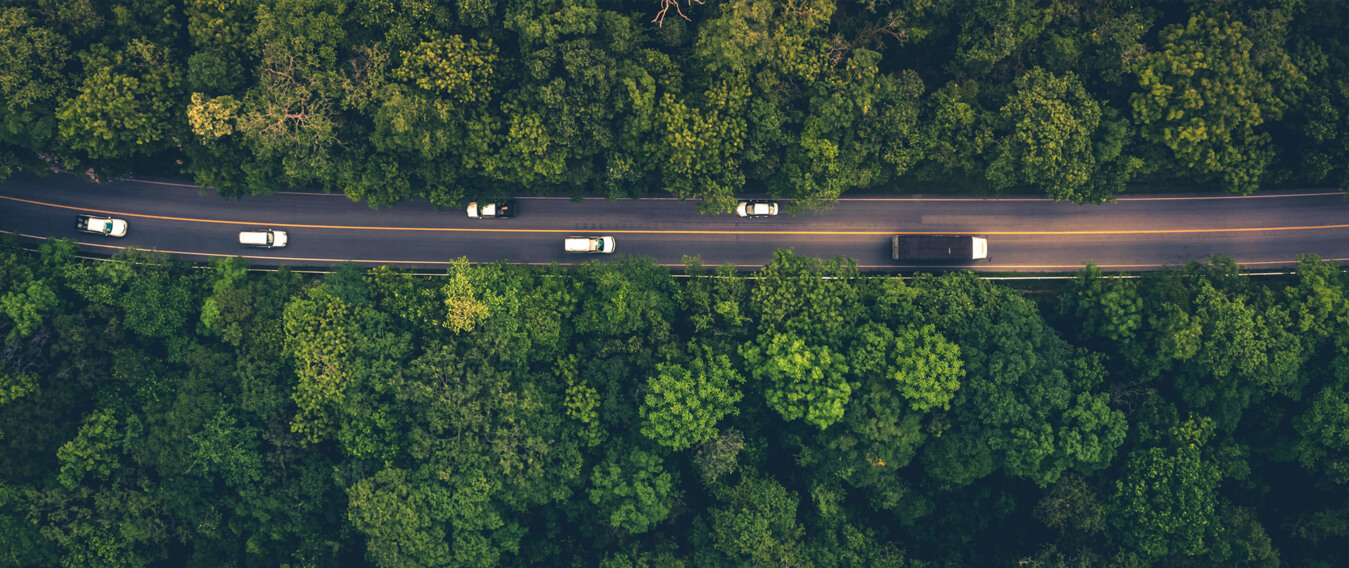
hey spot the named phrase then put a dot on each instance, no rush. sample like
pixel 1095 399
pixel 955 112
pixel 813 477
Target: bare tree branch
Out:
pixel 665 7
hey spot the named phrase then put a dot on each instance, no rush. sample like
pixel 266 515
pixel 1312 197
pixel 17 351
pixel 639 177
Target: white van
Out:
pixel 588 244
pixel 263 239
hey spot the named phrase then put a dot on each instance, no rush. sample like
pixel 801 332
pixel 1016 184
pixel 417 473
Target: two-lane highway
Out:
pixel 1025 234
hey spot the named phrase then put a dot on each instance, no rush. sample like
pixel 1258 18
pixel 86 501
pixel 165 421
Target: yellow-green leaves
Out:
pixel 318 337
pixel 125 102
pixel 461 71
pixel 212 118
pixel 1166 502
pixel 94 451
pixel 1207 96
pixel 467 300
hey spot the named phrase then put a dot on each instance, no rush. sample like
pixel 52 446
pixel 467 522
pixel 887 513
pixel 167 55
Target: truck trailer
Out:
pixel 939 247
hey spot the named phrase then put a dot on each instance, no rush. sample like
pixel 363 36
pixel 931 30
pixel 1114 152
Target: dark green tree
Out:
pixel 1167 501
pixel 632 490
pixel 1050 130
pixel 756 524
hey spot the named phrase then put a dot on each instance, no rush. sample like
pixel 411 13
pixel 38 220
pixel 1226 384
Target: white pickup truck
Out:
pixel 589 244
pixel 501 210
pixel 106 226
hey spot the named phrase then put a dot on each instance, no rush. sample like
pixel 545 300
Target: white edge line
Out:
pixel 935 199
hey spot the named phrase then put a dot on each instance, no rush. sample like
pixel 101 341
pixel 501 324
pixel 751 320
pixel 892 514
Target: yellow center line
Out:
pixel 682 231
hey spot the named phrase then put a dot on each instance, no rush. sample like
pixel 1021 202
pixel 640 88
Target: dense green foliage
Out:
pixel 451 100
pixel 153 413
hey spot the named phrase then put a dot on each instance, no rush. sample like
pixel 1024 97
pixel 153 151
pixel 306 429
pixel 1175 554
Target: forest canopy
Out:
pixel 387 101
pixel 158 413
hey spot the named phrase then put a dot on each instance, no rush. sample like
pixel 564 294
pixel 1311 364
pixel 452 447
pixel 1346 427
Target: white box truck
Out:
pixel 939 247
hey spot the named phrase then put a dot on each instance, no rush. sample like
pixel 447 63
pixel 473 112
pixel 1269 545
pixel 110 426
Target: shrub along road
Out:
pixel 1025 234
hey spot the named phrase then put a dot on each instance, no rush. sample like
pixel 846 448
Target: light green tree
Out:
pixel 685 402
pixel 468 301
pixel 1323 428
pixel 398 517
pixel 32 80
pixel 227 450
pixel 95 451
pixel 700 150
pixel 319 337
pixel 464 72
pixel 801 382
pixel 28 307
pixel 927 368
pixel 1103 308
pixel 959 130
pixel 1027 403
pixel 291 117
pixel 993 30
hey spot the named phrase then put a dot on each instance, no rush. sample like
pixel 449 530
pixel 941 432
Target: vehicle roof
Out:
pixel 253 237
pixel 934 246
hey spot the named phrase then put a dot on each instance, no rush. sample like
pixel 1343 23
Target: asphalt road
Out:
pixel 1266 230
